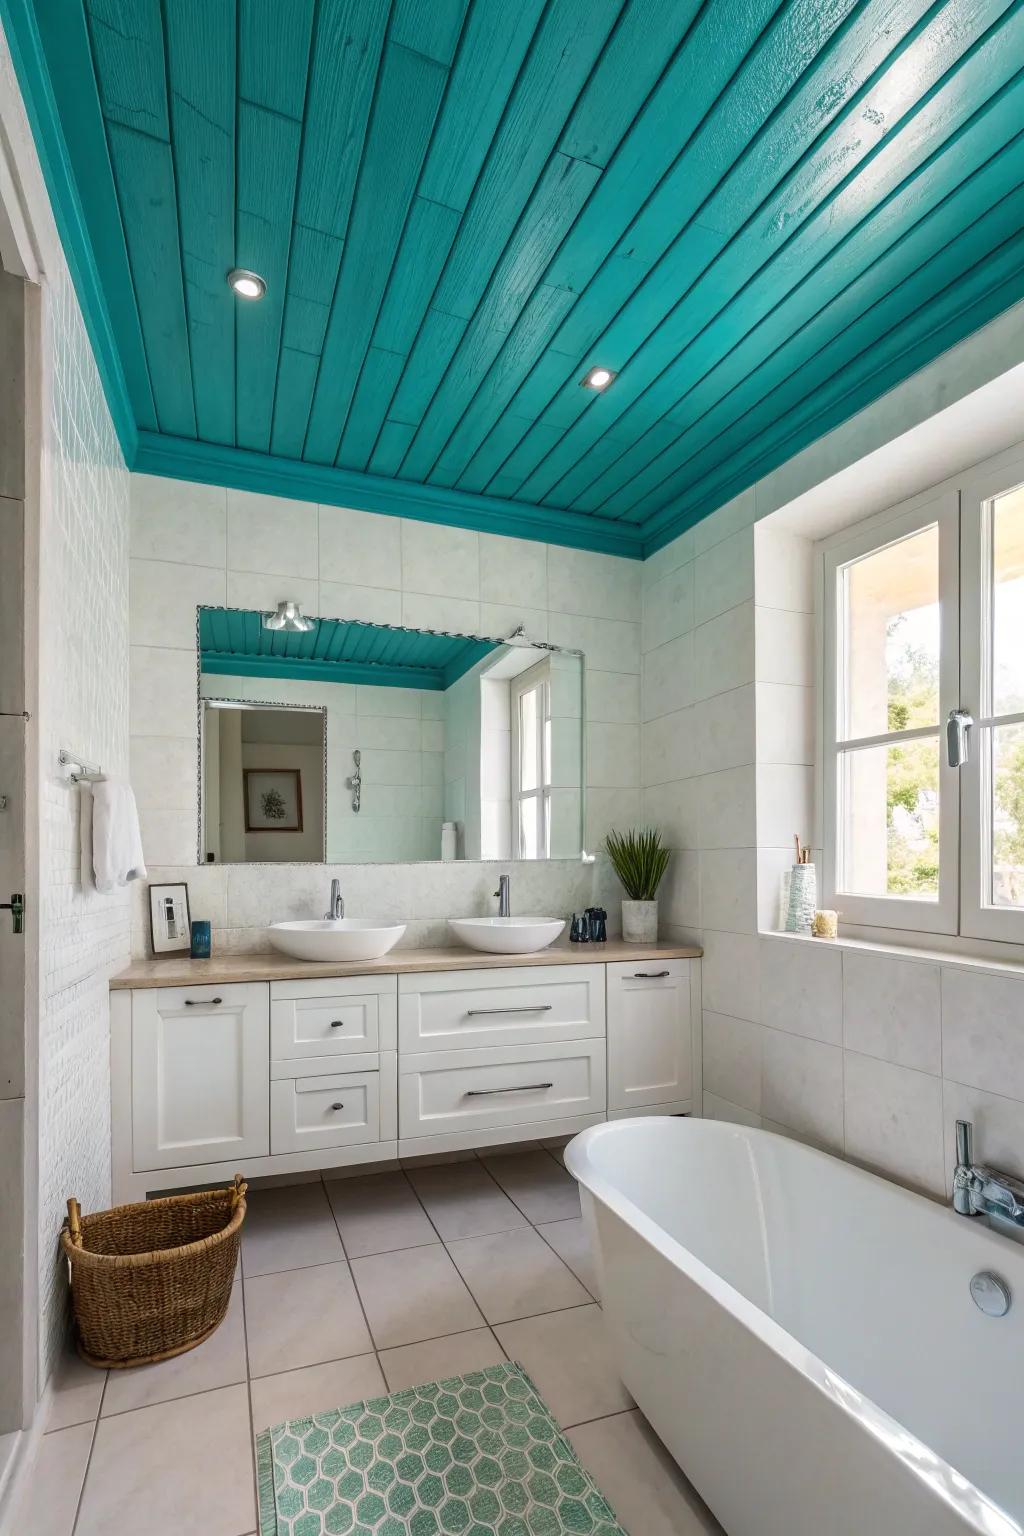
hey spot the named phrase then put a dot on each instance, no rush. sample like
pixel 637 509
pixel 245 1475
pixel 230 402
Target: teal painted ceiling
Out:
pixel 233 642
pixel 762 214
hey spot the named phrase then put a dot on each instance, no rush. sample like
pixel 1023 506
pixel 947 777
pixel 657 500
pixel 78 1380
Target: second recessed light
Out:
pixel 248 285
pixel 597 378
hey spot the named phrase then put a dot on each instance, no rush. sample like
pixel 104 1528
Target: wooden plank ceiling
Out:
pixel 761 213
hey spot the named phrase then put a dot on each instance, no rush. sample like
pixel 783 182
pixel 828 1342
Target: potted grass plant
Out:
pixel 639 860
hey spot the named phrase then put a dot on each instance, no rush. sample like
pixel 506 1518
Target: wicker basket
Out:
pixel 152 1280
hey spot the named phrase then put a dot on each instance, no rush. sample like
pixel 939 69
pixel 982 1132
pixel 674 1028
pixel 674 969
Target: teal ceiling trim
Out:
pixel 240 470
pixel 233 642
pixel 761 213
pixel 77 235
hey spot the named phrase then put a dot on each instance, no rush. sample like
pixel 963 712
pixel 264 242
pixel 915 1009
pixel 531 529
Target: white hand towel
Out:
pixel 85 837
pixel 116 841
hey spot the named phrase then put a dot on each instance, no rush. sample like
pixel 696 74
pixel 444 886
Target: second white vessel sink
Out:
pixel 507 935
pixel 340 938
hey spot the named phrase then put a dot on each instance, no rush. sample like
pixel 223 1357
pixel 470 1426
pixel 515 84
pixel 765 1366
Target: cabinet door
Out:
pixel 650 1037
pixel 200 1075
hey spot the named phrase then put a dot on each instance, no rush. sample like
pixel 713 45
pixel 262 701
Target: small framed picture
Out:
pixel 273 800
pixel 170 924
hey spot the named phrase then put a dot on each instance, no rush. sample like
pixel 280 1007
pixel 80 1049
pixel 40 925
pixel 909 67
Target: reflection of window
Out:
pixel 924 615
pixel 531 762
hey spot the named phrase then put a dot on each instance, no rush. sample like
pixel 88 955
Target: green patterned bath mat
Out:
pixel 473 1455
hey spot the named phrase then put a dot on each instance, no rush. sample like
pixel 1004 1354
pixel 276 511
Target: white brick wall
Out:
pixel 83 656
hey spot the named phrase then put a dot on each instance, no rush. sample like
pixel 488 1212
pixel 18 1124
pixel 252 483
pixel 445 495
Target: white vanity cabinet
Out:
pixel 295 1073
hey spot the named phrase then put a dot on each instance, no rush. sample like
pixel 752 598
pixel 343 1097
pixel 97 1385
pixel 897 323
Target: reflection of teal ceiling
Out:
pixel 234 642
pixel 762 213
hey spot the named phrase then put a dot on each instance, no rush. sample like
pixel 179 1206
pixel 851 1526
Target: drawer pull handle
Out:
pixel 202 1002
pixel 650 975
pixel 337 1106
pixel 337 1023
pixel 483 1093
pixel 472 1013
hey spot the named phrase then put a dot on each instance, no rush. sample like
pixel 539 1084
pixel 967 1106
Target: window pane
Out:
pixel 528 828
pixel 889 820
pixel 1008 603
pixel 1008 816
pixel 891 638
pixel 528 727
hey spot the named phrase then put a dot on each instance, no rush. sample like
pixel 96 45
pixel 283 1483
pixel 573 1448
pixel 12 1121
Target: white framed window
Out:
pixel 531 762
pixel 923 711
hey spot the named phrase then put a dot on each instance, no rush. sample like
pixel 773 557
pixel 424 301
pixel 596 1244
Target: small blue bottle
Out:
pixel 202 939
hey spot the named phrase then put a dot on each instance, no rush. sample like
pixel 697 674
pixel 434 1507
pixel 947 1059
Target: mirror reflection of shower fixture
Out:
pixel 355 780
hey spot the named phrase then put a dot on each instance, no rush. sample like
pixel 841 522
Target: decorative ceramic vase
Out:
pixel 640 922
pixel 803 898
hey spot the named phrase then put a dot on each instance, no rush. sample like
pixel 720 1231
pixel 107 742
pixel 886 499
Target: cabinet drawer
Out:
pixel 458 1009
pixel 445 1091
pixel 333 1017
pixel 324 1111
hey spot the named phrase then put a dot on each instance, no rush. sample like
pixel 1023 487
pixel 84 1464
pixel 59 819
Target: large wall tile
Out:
pixel 891 1009
pixel 723 577
pixel 731 974
pixel 802 1086
pixel 363 548
pixel 728 889
pixel 733 1053
pixel 263 591
pixel 442 561
pixel 178 520
pixel 785 569
pixel 736 514
pixel 998 1128
pixel 667 559
pixel 669 747
pixel 893 1119
pixel 455 615
pixel 613 697
pixel 983 1030
pixel 667 680
pixel 163 692
pixel 675 810
pixel 368 605
pixel 272 534
pixel 785 805
pixel 725 730
pixel 727 809
pixel 516 570
pixel 610 645
pixel 601 586
pixel 679 892
pixel 163 601
pixel 723 652
pixel 785 723
pixel 785 647
pixel 802 989
pixel 613 755
pixel 668 607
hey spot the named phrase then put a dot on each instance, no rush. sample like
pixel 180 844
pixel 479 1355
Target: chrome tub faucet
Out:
pixel 502 893
pixel 337 906
pixel 981 1191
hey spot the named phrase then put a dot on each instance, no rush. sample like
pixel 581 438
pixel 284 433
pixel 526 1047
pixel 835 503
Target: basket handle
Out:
pixel 238 1190
pixel 75 1221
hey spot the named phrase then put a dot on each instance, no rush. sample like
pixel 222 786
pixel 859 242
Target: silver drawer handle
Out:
pixel 650 975
pixel 337 1106
pixel 202 1002
pixel 472 1013
pixel 483 1093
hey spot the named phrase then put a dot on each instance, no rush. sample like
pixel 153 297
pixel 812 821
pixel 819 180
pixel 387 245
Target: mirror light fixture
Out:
pixel 289 617
pixel 597 378
pixel 248 285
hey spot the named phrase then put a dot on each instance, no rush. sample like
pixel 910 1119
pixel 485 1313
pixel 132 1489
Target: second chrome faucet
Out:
pixel 502 893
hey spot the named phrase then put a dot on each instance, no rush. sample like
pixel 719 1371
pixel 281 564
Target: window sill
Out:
pixel 955 953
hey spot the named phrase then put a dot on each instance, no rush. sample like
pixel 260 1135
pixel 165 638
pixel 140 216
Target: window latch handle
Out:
pixel 958 728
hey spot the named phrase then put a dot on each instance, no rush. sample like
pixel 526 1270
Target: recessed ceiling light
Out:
pixel 248 285
pixel 597 378
pixel 290 618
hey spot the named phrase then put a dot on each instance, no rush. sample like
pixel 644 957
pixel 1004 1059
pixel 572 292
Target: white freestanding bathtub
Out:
pixel 801 1334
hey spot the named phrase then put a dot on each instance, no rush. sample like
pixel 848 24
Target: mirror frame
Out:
pixel 517 637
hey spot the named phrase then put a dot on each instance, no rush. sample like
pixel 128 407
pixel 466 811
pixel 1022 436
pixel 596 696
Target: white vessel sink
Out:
pixel 507 935
pixel 343 938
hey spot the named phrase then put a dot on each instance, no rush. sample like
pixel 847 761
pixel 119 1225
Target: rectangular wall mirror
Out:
pixel 368 743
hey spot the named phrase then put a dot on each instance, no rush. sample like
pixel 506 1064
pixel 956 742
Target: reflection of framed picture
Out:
pixel 273 800
pixel 170 927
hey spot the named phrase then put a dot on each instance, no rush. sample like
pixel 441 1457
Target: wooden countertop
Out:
pixel 180 971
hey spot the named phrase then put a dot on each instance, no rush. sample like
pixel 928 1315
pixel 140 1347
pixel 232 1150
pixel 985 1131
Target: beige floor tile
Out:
pixel 414 1364
pixel 515 1274
pixel 413 1295
pixel 289 1228
pixel 639 1479
pixel 314 1389
pixel 542 1190
pixel 571 1242
pixel 462 1200
pixel 76 1390
pixel 175 1468
pixel 568 1356
pixel 48 1501
pixel 220 1362
pixel 379 1214
pixel 303 1317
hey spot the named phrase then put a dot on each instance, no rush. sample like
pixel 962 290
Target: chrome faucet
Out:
pixel 981 1191
pixel 504 903
pixel 337 906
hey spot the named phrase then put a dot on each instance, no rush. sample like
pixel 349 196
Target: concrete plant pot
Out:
pixel 640 922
